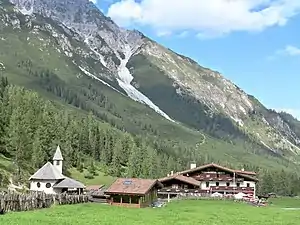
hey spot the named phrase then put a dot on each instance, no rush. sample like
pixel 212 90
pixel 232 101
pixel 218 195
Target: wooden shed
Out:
pixel 133 192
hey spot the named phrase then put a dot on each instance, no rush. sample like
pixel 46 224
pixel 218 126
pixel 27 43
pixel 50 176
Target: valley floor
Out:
pixel 178 212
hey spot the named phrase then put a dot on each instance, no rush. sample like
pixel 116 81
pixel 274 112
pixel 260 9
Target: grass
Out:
pixel 100 179
pixel 285 202
pixel 4 162
pixel 178 212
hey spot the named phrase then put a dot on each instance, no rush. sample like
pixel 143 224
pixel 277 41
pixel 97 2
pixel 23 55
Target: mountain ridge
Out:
pixel 174 86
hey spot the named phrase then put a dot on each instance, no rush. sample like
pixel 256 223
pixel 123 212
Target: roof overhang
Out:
pixel 212 165
pixel 187 180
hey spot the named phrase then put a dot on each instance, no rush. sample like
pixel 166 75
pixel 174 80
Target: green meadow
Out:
pixel 212 212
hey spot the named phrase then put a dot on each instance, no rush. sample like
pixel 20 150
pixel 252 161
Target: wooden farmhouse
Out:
pixel 133 192
pixel 207 180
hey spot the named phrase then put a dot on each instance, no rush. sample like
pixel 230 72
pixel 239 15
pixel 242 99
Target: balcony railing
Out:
pixel 225 178
pixel 208 190
pixel 238 189
pixel 182 190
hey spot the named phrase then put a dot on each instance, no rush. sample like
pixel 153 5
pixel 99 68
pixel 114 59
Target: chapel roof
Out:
pixel 68 183
pixel 47 172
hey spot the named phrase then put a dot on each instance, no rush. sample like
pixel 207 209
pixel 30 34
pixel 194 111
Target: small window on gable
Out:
pixel 217 184
pixel 248 184
pixel 38 184
pixel 48 185
pixel 57 163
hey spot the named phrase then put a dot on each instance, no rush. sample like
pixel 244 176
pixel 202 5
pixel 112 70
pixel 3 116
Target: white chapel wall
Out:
pixel 50 190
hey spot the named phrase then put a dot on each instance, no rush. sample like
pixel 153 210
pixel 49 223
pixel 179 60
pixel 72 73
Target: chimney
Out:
pixel 193 165
pixel 243 169
pixel 172 173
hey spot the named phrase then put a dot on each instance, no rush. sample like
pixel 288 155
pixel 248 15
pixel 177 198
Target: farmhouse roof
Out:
pixel 47 172
pixel 132 186
pixel 58 155
pixel 69 183
pixel 182 178
pixel 240 173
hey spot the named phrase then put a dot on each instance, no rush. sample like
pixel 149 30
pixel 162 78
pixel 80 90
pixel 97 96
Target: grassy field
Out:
pixel 178 212
pixel 101 178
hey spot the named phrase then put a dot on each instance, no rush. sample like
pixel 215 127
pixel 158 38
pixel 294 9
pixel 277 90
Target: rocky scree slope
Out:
pixel 173 85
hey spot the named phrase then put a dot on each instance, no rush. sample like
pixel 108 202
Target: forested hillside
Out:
pixel 31 127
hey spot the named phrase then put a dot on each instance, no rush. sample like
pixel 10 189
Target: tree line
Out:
pixel 31 128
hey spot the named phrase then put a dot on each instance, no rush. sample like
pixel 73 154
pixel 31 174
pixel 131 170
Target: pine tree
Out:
pixel 134 168
pixel 92 168
pixel 115 166
pixel 150 166
pixel 16 141
pixel 38 151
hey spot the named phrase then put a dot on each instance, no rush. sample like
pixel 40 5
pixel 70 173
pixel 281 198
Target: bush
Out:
pixel 89 176
pixel 80 168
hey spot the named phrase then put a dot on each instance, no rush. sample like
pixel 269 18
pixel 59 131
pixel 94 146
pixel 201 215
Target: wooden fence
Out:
pixel 36 200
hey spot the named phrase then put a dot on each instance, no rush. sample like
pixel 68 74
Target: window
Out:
pixel 217 183
pixel 207 184
pixel 227 184
pixel 57 163
pixel 238 184
pixel 48 185
pixel 38 184
pixel 174 185
pixel 248 184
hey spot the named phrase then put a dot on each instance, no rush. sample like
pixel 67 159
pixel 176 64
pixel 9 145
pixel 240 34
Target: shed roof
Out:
pixel 69 183
pixel 58 155
pixel 132 186
pixel 47 172
pixel 94 187
pixel 182 178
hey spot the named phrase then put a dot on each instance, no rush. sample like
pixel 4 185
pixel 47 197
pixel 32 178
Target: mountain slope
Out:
pixel 67 48
pixel 207 98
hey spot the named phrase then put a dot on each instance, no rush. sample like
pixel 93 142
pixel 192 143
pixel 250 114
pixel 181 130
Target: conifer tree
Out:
pixel 116 164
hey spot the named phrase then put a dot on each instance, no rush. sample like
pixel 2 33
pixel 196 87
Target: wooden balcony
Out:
pixel 215 178
pixel 180 190
pixel 232 189
pixel 209 190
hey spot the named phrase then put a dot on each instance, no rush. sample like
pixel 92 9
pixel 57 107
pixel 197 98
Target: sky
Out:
pixel 253 43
